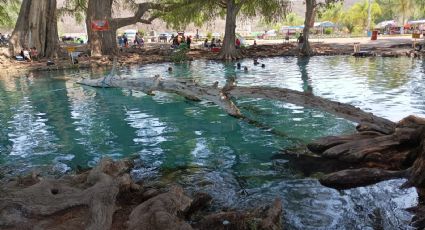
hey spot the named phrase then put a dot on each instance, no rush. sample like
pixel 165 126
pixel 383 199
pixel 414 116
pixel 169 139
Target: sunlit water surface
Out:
pixel 47 121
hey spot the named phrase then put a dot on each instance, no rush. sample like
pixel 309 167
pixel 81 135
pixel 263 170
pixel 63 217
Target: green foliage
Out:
pixel 334 13
pixel 292 19
pixel 328 31
pixel 355 19
pixel 9 10
pixel 142 33
pixel 402 9
pixel 184 12
pixel 209 35
pixel 180 54
pixel 74 8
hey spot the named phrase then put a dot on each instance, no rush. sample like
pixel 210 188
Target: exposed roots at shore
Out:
pixel 380 157
pixel 106 198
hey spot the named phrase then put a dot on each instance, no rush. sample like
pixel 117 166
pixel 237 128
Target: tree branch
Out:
pixel 142 9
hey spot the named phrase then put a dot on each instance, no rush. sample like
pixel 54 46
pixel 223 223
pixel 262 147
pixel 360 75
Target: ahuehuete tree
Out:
pixel 312 6
pixel 36 26
pixel 184 12
pixel 105 42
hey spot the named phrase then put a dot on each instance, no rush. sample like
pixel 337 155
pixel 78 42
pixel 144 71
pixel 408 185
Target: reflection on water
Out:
pixel 48 121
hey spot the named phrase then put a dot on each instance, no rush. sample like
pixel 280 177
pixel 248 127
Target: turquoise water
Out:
pixel 47 121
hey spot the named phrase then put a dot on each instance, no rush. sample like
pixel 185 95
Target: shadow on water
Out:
pixel 302 63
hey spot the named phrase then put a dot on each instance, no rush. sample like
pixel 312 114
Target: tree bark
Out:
pixel 36 27
pixel 308 23
pixel 229 51
pixel 105 42
pixel 100 42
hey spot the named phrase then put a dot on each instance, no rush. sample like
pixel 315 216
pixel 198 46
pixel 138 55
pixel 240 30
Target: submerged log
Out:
pixel 222 97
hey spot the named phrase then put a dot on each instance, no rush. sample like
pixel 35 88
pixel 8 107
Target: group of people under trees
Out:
pixel 138 41
pixel 214 43
pixel 28 54
pixel 179 40
pixel 218 43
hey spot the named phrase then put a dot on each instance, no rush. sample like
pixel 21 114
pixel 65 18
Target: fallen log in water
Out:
pixel 222 97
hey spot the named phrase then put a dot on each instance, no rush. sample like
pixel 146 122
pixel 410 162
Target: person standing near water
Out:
pixel 300 41
pixel 188 41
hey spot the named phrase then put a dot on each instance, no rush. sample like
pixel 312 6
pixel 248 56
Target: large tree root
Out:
pixel 400 154
pixel 381 156
pixel 106 198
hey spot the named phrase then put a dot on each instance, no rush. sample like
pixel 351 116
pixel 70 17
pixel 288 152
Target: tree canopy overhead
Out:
pixel 184 12
pixel 9 10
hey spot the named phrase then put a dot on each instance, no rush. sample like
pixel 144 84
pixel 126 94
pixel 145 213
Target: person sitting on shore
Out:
pixel 287 37
pixel 219 43
pixel 255 42
pixel 125 40
pixel 26 54
pixel 206 43
pixel 34 53
pixel 238 43
pixel 213 43
pixel 188 41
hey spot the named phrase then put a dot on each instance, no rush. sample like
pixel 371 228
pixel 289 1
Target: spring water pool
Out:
pixel 49 122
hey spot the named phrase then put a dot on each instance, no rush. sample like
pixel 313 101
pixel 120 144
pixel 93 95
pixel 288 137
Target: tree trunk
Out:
pixel 308 23
pixel 229 51
pixel 101 42
pixel 36 27
pixel 105 42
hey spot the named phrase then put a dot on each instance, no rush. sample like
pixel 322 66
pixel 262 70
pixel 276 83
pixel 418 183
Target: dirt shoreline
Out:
pixel 155 54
